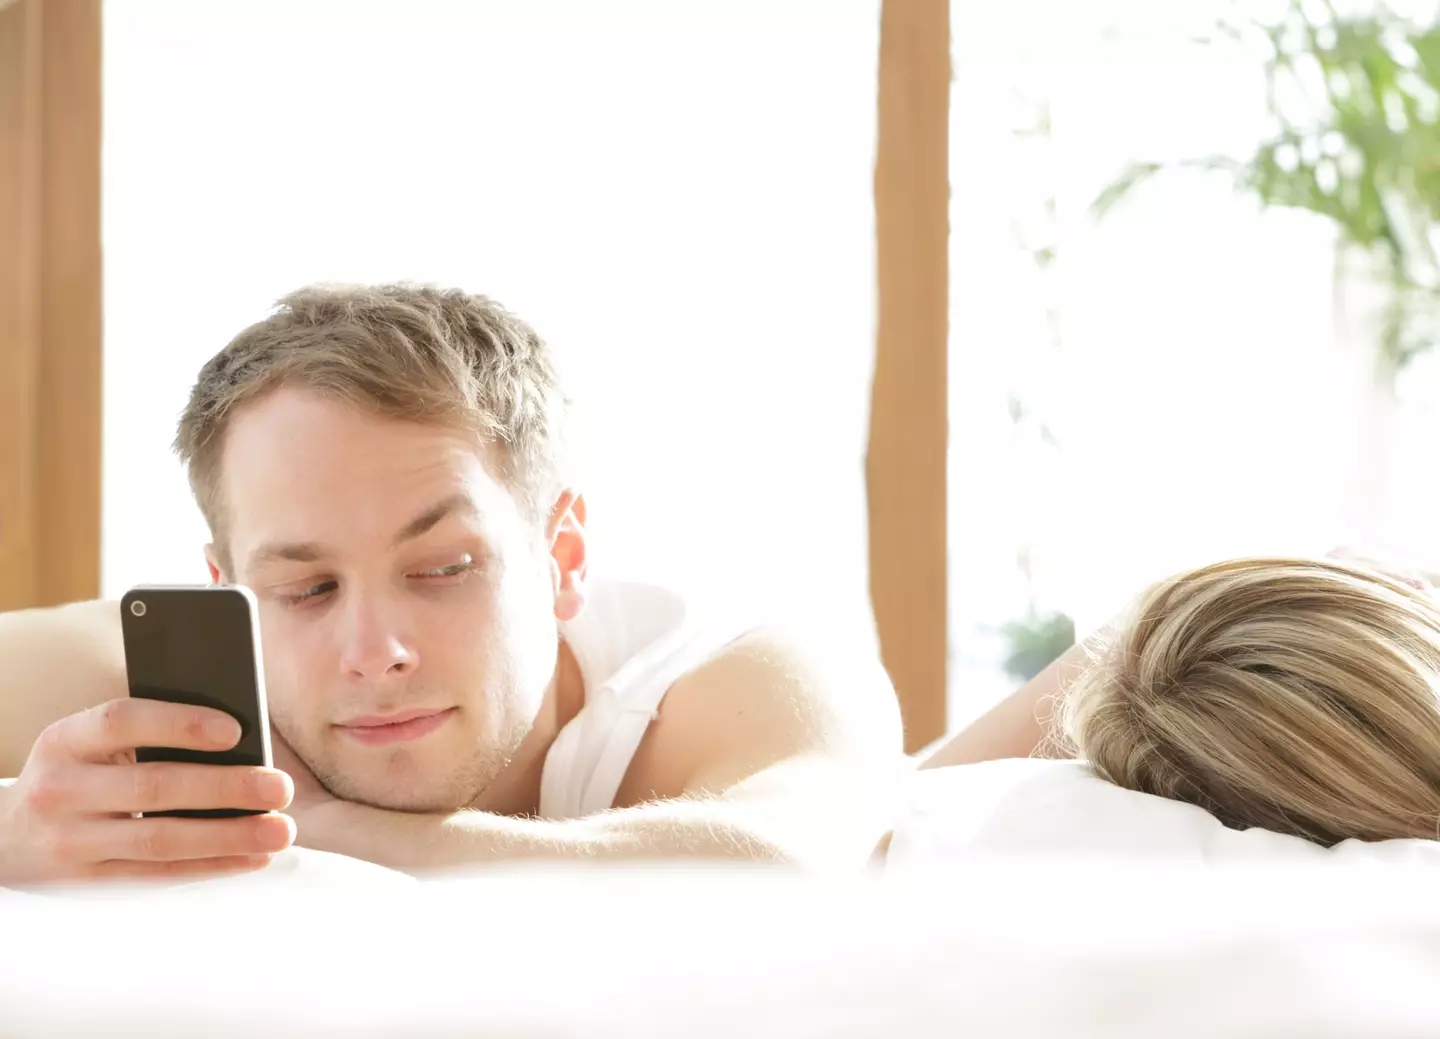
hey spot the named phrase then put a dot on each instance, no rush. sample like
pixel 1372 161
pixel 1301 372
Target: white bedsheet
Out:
pixel 1053 948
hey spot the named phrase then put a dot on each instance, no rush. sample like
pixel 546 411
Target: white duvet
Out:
pixel 962 939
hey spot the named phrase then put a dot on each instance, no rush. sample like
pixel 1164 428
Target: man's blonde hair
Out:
pixel 1298 696
pixel 414 353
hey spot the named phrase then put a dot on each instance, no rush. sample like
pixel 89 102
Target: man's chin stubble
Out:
pixel 460 792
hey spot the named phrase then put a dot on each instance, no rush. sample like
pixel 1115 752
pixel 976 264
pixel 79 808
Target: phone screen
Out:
pixel 199 646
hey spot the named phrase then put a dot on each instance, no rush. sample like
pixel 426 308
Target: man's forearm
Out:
pixel 419 843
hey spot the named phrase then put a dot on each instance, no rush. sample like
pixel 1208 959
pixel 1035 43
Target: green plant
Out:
pixel 1035 641
pixel 1355 103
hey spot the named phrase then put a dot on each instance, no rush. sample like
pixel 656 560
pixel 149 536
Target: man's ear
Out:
pixel 212 561
pixel 565 534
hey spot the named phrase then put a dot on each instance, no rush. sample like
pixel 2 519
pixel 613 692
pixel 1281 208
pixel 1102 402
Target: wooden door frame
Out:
pixel 906 473
pixel 50 302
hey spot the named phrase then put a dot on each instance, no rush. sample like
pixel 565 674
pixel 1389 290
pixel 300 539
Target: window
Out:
pixel 1204 372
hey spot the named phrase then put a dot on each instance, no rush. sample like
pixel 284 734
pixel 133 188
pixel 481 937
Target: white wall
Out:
pixel 676 195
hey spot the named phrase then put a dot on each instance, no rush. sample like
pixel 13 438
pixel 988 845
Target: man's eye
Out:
pixel 314 591
pixel 456 569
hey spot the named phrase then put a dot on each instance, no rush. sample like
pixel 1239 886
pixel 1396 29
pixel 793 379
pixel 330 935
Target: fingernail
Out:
pixel 274 832
pixel 223 731
pixel 273 788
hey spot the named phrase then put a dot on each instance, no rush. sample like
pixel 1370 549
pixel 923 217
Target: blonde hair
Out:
pixel 1295 695
pixel 415 353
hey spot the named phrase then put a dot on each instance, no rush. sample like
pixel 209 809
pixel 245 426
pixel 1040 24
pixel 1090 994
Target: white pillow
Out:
pixel 1025 807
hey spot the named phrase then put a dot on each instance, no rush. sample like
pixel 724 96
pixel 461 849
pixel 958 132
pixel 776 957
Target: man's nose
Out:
pixel 374 645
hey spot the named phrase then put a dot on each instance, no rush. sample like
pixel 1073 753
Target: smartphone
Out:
pixel 199 645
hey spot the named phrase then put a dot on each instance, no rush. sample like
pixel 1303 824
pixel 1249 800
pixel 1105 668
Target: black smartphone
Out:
pixel 199 645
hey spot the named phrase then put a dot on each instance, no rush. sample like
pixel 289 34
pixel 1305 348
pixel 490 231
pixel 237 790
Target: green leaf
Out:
pixel 1121 187
pixel 1354 78
pixel 1215 164
pixel 1427 48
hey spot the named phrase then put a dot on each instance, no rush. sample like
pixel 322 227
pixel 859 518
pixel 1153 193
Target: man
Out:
pixel 385 468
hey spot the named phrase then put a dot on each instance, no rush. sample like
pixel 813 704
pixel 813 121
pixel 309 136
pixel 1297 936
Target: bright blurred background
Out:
pixel 679 196
pixel 1203 371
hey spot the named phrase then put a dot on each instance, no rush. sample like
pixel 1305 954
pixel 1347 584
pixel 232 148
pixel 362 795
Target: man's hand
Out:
pixel 70 815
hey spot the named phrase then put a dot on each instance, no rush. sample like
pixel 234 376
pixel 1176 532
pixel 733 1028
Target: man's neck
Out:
pixel 516 791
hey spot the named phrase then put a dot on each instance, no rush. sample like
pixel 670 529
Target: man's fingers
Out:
pixel 110 728
pixel 174 840
pixel 162 786
pixel 129 869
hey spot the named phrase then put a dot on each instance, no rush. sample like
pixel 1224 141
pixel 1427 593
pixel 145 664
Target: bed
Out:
pixel 948 940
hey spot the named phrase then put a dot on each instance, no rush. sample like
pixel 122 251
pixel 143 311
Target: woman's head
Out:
pixel 1295 695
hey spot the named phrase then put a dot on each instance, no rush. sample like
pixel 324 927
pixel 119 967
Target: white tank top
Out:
pixel 631 642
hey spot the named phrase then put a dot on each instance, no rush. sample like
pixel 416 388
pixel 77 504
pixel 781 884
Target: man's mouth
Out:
pixel 375 730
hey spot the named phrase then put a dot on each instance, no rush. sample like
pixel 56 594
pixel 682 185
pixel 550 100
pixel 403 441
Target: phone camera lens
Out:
pixel 137 608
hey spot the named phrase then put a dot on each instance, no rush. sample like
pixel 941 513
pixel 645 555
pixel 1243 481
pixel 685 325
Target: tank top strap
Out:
pixel 634 705
pixel 589 759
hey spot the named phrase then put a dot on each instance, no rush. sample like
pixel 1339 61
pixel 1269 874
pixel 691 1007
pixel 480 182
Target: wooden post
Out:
pixel 906 462
pixel 50 301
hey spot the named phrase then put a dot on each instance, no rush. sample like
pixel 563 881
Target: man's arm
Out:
pixel 53 663
pixel 773 751
pixel 718 828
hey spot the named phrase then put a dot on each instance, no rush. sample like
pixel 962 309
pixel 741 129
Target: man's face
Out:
pixel 397 580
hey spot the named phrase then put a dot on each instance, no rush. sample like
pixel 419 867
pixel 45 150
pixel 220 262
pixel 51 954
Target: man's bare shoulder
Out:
pixel 776 693
pixel 55 661
pixel 101 616
pixel 90 628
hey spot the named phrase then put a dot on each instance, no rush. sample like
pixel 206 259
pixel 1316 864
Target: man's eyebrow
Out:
pixel 431 517
pixel 313 551
pixel 287 552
